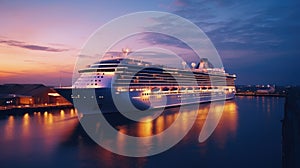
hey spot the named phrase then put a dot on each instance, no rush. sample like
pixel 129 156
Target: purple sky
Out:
pixel 257 40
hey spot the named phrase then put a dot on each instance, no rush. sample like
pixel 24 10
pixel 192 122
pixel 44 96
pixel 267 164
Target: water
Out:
pixel 248 135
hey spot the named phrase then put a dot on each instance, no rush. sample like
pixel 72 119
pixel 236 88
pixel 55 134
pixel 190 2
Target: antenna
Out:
pixel 125 51
pixel 60 79
pixel 183 64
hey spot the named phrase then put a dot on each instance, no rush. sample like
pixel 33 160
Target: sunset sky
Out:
pixel 259 41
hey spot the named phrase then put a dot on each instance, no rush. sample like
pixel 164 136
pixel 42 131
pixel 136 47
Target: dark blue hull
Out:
pixel 108 100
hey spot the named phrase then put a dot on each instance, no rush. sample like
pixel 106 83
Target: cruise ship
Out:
pixel 126 84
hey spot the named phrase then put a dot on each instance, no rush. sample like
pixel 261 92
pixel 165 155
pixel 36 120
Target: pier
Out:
pixel 17 99
pixel 260 94
pixel 22 109
pixel 261 90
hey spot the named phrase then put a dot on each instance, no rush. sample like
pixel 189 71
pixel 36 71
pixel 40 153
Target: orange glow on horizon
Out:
pixel 19 65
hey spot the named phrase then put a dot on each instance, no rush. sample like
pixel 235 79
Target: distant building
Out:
pixel 266 90
pixel 28 94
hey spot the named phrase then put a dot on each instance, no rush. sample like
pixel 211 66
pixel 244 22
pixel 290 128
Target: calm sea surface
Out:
pixel 248 135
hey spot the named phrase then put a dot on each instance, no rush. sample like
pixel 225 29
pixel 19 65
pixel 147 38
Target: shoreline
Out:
pixel 260 94
pixel 21 110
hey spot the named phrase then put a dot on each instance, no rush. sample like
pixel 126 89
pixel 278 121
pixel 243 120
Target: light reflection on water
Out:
pixel 249 130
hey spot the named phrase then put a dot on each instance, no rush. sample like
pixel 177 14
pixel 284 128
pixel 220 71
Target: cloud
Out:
pixel 84 56
pixel 11 72
pixel 247 34
pixel 161 39
pixel 99 55
pixel 241 24
pixel 36 62
pixel 22 44
pixel 66 72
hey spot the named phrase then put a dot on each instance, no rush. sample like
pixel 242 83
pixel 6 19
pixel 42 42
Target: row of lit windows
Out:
pixel 185 96
pixel 78 96
pixel 88 80
pixel 167 92
pixel 149 74
pixel 98 76
pixel 166 84
pixel 92 84
pixel 171 79
pixel 82 82
pixel 90 77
